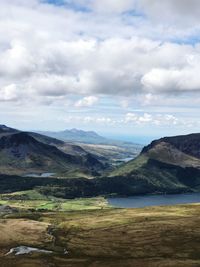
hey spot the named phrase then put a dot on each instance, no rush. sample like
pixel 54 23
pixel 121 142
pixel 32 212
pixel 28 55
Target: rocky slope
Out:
pixel 170 164
pixel 21 153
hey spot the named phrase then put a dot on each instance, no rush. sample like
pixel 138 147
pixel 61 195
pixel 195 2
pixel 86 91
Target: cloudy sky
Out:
pixel 124 68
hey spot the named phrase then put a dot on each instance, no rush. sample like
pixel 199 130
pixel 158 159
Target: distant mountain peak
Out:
pixel 77 135
pixel 79 131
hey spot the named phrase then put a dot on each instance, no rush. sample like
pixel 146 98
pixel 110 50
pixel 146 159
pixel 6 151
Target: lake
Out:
pixel 154 200
pixel 42 175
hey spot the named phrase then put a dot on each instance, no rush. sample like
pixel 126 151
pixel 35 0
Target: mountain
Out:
pixel 107 155
pixel 111 151
pixel 21 153
pixel 188 144
pixel 87 137
pixel 167 165
pixel 68 148
pixel 4 130
pixel 75 135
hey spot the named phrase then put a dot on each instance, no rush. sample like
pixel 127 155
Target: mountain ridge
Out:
pixel 169 164
pixel 20 152
pixel 81 136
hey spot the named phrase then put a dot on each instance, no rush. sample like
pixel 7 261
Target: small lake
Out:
pixel 126 159
pixel 42 175
pixel 154 200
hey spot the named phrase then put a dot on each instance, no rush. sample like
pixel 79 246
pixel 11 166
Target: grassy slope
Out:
pixel 165 152
pixel 32 199
pixel 21 153
pixel 153 177
pixel 112 153
pixel 158 236
pixel 164 169
pixel 130 166
pixel 138 233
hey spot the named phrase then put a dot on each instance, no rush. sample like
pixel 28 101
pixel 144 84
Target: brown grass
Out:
pixel 150 237
pixel 14 232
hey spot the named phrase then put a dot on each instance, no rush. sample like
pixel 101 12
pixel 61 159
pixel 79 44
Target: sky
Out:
pixel 124 68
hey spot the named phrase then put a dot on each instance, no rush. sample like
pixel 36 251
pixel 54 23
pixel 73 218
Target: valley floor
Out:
pixel 102 236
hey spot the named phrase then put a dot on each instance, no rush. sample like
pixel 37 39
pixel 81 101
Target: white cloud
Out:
pixel 173 80
pixel 16 61
pixel 51 55
pixel 130 119
pixel 156 119
pixel 105 6
pixel 9 93
pixel 87 102
pixel 114 66
pixel 56 60
pixel 101 120
pixel 113 5
pixel 182 11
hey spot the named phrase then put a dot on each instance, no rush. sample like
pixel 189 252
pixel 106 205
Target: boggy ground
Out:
pixel 149 237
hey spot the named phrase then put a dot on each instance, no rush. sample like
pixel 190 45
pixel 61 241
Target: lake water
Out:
pixel 154 200
pixel 126 159
pixel 43 175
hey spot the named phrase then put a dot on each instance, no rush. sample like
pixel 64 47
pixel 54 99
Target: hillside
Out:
pixel 107 150
pixel 170 164
pixel 4 130
pixel 95 235
pixel 108 154
pixel 68 148
pixel 76 135
pixel 87 137
pixel 20 153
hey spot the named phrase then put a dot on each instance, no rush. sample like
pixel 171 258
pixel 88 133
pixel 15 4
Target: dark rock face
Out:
pixel 6 130
pixel 16 140
pixel 189 144
pixel 21 151
pixel 169 165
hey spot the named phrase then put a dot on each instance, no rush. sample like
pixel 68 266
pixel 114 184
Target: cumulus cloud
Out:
pixel 147 118
pixel 16 61
pixel 104 6
pixel 117 51
pixel 62 56
pixel 176 80
pixel 132 119
pixel 182 11
pixel 87 102
pixel 101 120
pixel 111 67
pixel 9 93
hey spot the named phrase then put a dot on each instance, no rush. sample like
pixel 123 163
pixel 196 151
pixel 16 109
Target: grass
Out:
pixel 97 235
pixel 34 200
pixel 24 195
pixel 169 232
pixel 130 166
pixel 155 236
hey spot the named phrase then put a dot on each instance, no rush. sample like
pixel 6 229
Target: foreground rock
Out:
pixel 21 250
